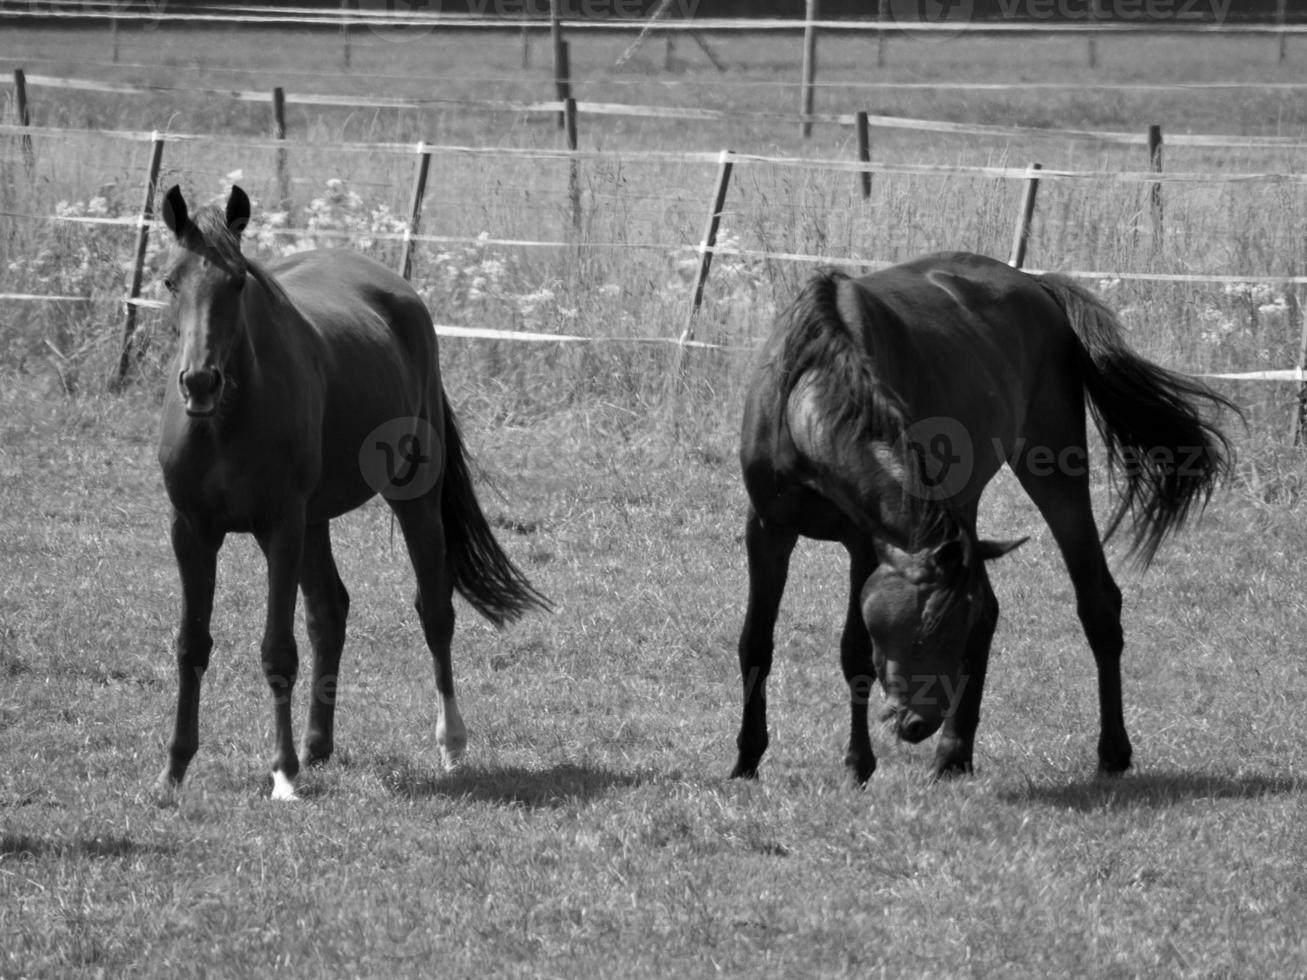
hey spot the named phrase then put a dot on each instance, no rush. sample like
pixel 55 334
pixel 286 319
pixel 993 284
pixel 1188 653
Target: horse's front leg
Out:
pixel 197 562
pixel 859 670
pixel 769 553
pixel 953 754
pixel 282 542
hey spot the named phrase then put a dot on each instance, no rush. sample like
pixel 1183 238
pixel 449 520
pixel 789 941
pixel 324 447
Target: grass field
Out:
pixel 593 831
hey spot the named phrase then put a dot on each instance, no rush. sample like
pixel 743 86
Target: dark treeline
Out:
pixel 1179 12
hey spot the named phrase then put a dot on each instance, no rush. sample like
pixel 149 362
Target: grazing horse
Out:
pixel 879 410
pixel 302 389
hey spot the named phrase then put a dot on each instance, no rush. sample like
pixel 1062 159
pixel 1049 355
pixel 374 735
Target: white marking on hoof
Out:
pixel 282 787
pixel 451 733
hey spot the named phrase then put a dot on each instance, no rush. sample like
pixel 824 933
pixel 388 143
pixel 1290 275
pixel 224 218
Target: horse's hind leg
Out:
pixel 1061 492
pixel 859 670
pixel 424 534
pixel 769 553
pixel 326 606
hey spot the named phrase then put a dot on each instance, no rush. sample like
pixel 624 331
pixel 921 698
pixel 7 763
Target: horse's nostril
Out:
pixel 201 383
pixel 914 728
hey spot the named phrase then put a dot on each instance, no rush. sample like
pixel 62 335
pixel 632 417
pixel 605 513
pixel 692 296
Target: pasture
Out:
pixel 592 830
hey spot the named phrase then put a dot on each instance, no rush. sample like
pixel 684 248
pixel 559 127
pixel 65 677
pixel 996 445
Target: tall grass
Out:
pixel 623 273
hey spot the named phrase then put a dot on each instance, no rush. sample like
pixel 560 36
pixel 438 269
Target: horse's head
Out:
pixel 206 274
pixel 920 607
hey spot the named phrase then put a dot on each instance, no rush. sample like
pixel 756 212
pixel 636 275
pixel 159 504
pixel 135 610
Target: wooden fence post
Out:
pixel 724 166
pixel 562 70
pixel 706 246
pixel 24 117
pixel 344 32
pixel 1281 16
pixel 1293 297
pixel 113 38
pixel 864 151
pixel 279 133
pixel 1155 190
pixel 1021 235
pixel 138 265
pixel 809 65
pixel 882 11
pixel 574 166
pixel 563 82
pixel 415 209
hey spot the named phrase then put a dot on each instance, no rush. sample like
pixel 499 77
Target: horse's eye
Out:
pixel 169 285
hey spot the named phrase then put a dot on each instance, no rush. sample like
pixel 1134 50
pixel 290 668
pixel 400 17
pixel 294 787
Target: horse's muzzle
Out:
pixel 912 727
pixel 200 389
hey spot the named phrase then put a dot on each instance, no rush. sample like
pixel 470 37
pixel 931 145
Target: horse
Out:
pixel 878 410
pixel 301 389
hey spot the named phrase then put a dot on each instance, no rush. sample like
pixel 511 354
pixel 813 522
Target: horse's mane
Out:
pixel 860 405
pixel 208 231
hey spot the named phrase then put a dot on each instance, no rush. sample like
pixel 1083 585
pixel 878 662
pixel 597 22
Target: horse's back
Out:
pixel 343 292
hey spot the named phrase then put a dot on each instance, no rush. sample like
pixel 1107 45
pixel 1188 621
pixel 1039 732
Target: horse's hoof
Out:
pixel 452 752
pixel 744 770
pixel 282 786
pixel 166 790
pixel 1113 759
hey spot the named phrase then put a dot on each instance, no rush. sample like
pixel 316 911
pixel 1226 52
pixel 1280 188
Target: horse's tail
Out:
pixel 828 335
pixel 483 574
pixel 1164 455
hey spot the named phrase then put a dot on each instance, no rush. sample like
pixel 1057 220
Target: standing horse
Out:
pixel 298 388
pixel 880 409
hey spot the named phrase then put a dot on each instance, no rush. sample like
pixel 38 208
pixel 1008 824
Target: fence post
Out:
pixel 113 38
pixel 279 133
pixel 574 166
pixel 809 65
pixel 1022 232
pixel 1155 189
pixel 725 164
pixel 415 209
pixel 1293 297
pixel 24 117
pixel 138 265
pixel 563 82
pixel 864 151
pixel 882 10
pixel 562 70
pixel 1281 16
pixel 724 167
pixel 344 31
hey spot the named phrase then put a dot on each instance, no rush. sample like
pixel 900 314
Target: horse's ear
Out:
pixel 174 211
pixel 989 550
pixel 238 210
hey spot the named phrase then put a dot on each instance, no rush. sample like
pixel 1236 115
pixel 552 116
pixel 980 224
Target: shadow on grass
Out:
pixel 556 786
pixel 1152 789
